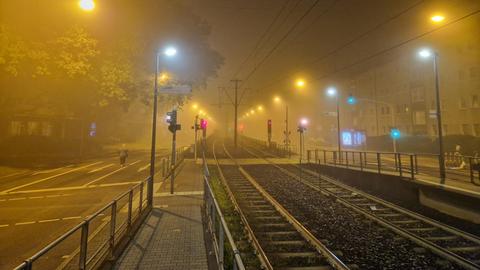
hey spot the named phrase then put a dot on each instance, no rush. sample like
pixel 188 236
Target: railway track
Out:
pixel 450 243
pixel 280 240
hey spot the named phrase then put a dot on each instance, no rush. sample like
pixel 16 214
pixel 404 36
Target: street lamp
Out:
pixel 332 92
pixel 86 5
pixel 426 53
pixel 169 53
pixel 300 83
pixel 437 18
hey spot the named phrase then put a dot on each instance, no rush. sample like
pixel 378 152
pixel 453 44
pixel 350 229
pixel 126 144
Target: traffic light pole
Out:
pixel 235 135
pixel 195 128
pixel 174 159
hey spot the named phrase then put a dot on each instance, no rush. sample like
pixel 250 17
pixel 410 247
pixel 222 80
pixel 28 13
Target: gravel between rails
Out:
pixel 355 239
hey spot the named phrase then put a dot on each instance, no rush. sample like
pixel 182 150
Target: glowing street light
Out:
pixel 425 53
pixel 195 106
pixel 304 122
pixel 260 108
pixel 331 91
pixel 170 51
pixel 277 99
pixel 300 83
pixel 437 18
pixel 86 5
pixel 252 111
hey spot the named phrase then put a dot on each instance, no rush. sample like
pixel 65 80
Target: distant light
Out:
pixel 351 100
pixel 395 133
pixel 300 83
pixel 437 18
pixel 425 53
pixel 252 111
pixel 170 51
pixel 303 122
pixel 163 77
pixel 277 99
pixel 87 5
pixel 195 106
pixel 248 114
pixel 260 108
pixel 331 91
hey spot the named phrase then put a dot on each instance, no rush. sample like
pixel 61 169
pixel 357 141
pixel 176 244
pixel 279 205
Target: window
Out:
pixel 466 129
pixel 476 128
pixel 419 118
pixel 475 102
pixel 462 103
pixel 474 72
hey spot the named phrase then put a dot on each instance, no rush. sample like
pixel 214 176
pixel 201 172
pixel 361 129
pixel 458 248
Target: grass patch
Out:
pixel 234 223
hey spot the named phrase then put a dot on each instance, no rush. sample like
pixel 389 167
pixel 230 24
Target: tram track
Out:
pixel 454 245
pixel 281 241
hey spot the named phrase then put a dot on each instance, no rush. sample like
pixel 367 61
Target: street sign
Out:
pixel 176 89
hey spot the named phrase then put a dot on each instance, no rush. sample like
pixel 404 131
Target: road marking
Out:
pixel 50 171
pixel 52 196
pixel 48 220
pixel 37 197
pixel 143 168
pixel 25 223
pixel 68 218
pixel 48 178
pixel 17 199
pixel 101 168
pixel 73 188
pixel 4 225
pixel 110 173
pixel 12 174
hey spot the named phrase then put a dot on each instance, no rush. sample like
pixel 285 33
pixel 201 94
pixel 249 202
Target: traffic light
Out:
pixel 269 126
pixel 395 133
pixel 351 100
pixel 171 118
pixel 203 124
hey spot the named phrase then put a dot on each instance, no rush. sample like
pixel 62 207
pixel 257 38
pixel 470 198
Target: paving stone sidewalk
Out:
pixel 172 236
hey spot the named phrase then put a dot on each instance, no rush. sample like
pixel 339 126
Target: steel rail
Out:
pixel 417 239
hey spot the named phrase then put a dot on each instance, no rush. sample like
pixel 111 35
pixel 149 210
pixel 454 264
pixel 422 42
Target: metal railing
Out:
pixel 95 239
pixel 410 165
pixel 217 226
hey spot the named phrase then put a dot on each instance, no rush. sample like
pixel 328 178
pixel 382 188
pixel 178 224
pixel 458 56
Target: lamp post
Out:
pixel 332 92
pixel 287 131
pixel 425 53
pixel 169 52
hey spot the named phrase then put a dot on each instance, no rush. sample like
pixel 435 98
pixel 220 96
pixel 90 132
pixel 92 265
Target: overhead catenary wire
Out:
pixel 350 42
pixel 279 42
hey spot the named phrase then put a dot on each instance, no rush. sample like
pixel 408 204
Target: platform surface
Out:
pixel 172 235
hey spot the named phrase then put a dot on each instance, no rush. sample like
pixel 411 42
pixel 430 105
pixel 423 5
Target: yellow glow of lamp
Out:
pixel 276 99
pixel 87 5
pixel 437 18
pixel 260 108
pixel 195 106
pixel 300 83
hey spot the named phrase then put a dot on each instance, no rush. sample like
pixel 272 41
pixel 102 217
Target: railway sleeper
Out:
pixel 284 226
pixel 277 236
pixel 287 246
pixel 297 259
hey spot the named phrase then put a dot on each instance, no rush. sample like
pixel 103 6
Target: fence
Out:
pixel 96 238
pixel 217 226
pixel 413 166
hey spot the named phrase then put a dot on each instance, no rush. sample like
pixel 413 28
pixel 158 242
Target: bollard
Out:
pixel 400 165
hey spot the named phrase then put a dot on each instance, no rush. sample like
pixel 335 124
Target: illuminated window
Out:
pixel 475 102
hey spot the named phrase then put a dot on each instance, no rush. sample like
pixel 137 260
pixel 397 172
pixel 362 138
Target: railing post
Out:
pixel 361 161
pixel 140 203
pixel 365 159
pixel 416 163
pixel 400 165
pixel 379 165
pixel 335 158
pixel 129 216
pixel 82 262
pixel 308 155
pixel 396 155
pixel 346 158
pixel 221 243
pixel 412 168
pixel 316 155
pixel 325 157
pixel 470 163
pixel 113 220
pixel 353 158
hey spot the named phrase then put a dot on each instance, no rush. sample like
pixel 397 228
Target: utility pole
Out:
pixel 236 81
pixel 287 133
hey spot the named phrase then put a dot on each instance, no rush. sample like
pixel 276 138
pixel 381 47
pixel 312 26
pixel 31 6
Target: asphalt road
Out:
pixel 37 206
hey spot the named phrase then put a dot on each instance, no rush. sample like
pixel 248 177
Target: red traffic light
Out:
pixel 203 123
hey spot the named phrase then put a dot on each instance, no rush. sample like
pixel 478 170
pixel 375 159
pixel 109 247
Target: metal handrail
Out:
pixel 83 227
pixel 212 212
